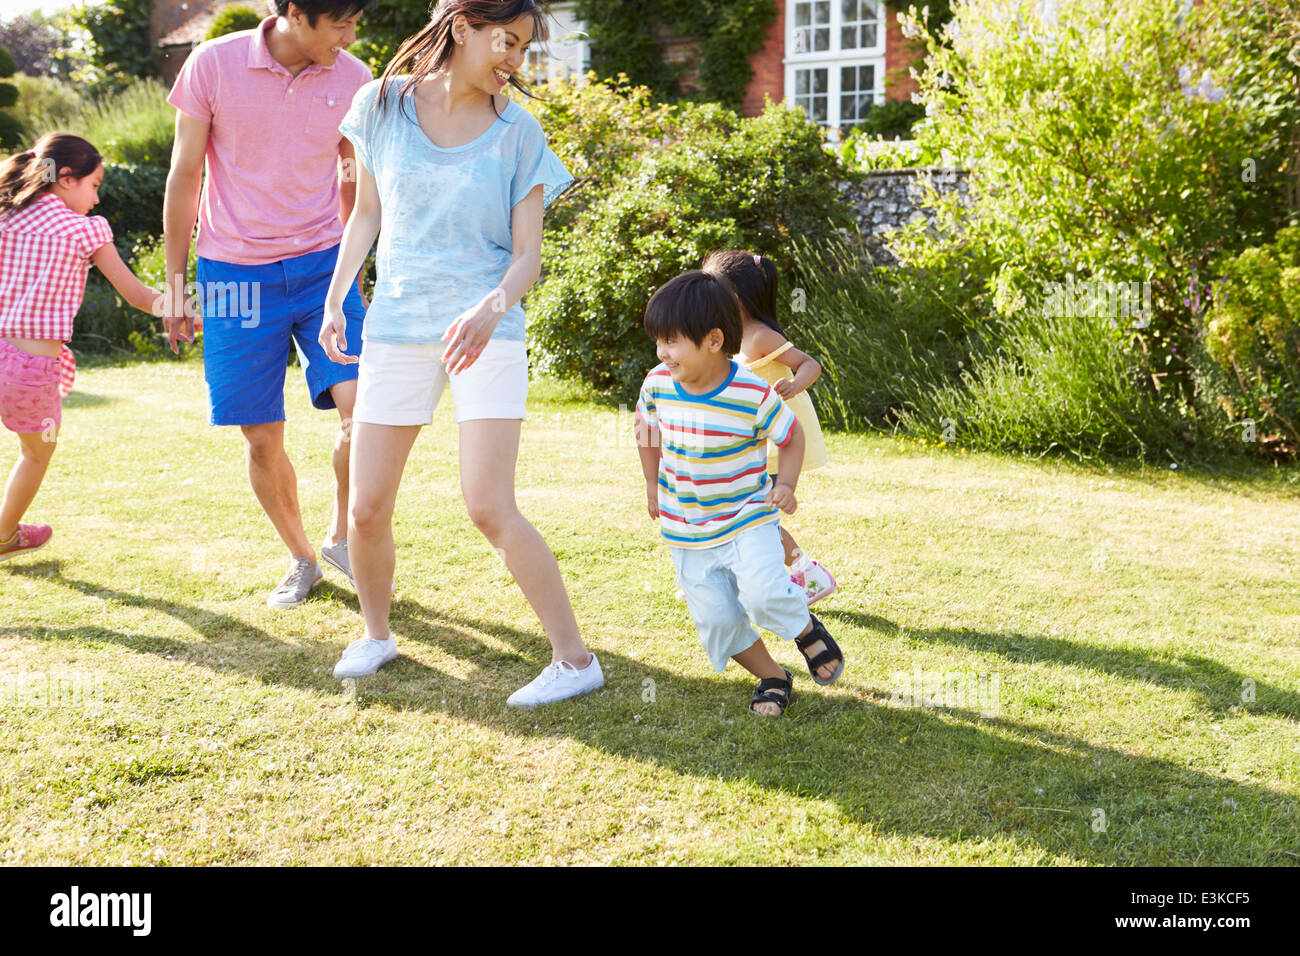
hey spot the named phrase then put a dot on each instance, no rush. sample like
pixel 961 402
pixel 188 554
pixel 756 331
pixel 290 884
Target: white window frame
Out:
pixel 569 58
pixel 833 59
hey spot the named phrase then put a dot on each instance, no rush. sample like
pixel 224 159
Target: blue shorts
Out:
pixel 251 317
pixel 731 583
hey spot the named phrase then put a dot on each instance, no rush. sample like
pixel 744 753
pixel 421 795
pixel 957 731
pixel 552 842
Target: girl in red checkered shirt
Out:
pixel 47 242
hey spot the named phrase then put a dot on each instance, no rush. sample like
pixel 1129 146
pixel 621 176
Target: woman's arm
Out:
pixel 469 334
pixel 358 236
pixel 136 293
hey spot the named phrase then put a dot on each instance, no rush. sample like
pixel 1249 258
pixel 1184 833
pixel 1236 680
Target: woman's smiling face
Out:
pixel 492 53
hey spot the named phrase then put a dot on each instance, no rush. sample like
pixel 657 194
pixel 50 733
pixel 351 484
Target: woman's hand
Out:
pixel 468 336
pixel 333 335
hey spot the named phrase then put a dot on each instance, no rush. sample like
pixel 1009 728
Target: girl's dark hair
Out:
pixel 429 50
pixel 754 281
pixel 692 304
pixel 24 176
pixel 338 9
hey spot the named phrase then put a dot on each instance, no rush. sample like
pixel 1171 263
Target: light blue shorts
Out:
pixel 731 583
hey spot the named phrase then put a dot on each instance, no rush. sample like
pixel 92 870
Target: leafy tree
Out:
pixel 34 43
pixel 119 45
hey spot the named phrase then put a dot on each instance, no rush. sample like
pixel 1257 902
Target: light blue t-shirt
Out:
pixel 444 240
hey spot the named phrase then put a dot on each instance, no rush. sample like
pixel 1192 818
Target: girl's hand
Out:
pixel 781 496
pixel 333 335
pixel 468 336
pixel 786 389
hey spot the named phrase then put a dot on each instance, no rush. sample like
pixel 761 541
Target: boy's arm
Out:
pixel 136 293
pixel 647 446
pixel 789 462
pixel 180 211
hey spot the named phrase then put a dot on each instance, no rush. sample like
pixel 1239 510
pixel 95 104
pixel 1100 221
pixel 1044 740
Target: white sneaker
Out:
pixel 297 584
pixel 364 656
pixel 559 681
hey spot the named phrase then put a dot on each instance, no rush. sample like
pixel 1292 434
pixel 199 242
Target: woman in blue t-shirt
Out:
pixel 458 177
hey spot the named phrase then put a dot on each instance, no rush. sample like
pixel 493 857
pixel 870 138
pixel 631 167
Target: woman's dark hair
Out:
pixel 429 50
pixel 338 9
pixel 754 278
pixel 24 176
pixel 692 304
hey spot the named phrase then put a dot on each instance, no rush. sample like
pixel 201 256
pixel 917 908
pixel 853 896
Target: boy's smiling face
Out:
pixel 689 363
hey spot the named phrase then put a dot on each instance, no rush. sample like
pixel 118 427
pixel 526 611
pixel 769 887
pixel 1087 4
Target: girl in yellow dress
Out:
pixel 766 352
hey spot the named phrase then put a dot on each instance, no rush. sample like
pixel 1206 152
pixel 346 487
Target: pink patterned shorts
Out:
pixel 29 390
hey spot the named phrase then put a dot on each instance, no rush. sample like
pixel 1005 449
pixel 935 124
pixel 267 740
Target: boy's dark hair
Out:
pixel 338 9
pixel 754 278
pixel 692 304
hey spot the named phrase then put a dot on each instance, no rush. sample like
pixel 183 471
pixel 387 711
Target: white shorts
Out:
pixel 401 384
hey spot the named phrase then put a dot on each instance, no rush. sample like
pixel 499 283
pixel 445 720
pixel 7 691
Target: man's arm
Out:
pixel 180 211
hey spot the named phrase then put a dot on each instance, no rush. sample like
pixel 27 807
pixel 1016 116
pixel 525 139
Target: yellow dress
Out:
pixel 771 371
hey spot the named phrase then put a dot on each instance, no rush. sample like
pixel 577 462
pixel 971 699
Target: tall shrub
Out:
pixel 723 181
pixel 1126 140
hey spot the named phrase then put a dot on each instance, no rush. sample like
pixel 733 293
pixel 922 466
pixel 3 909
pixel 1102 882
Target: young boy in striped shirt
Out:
pixel 703 423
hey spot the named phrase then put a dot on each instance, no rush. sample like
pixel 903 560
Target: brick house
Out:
pixel 832 58
pixel 181 25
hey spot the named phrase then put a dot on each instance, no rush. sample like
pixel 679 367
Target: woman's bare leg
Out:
pixel 378 456
pixel 489 448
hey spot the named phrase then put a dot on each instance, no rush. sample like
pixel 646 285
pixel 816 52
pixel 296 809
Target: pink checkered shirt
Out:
pixel 45 252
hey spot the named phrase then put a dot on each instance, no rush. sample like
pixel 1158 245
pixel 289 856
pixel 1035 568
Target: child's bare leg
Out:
pixel 759 662
pixel 36 450
pixel 792 551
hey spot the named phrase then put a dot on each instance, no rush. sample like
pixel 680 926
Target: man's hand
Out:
pixel 177 314
pixel 782 496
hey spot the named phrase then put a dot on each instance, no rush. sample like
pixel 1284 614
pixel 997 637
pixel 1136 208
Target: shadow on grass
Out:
pixel 1218 688
pixel 942 774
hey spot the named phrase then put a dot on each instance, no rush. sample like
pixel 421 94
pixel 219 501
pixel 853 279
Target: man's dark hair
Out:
pixel 692 304
pixel 338 9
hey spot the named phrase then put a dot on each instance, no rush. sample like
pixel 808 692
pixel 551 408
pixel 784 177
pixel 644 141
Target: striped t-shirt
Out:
pixel 713 454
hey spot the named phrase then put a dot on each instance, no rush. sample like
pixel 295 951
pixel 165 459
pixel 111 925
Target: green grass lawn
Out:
pixel 154 710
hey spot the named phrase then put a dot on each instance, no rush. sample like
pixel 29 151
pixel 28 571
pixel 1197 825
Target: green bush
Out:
pixel 598 129
pixel 884 337
pixel 752 183
pixel 1130 142
pixel 1072 384
pixel 45 104
pixel 12 130
pixel 231 19
pixel 131 199
pixel 134 126
pixel 1252 333
pixel 890 120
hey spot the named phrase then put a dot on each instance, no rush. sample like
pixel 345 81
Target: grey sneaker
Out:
pixel 336 556
pixel 297 584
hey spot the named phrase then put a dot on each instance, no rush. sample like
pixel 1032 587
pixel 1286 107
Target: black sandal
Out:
pixel 831 652
pixel 773 690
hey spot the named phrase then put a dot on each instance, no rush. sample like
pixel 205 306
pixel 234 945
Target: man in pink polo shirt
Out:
pixel 261 110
